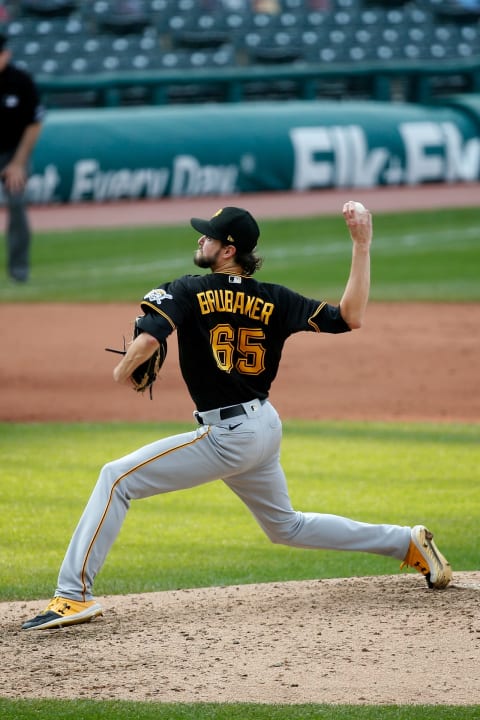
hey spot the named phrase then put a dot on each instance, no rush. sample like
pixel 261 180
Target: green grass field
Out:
pixel 392 472
pixel 89 710
pixel 398 473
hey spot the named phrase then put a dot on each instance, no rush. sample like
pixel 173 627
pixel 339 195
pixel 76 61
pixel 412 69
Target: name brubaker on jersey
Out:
pixel 211 301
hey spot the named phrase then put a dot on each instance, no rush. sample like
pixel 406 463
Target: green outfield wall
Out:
pixel 181 151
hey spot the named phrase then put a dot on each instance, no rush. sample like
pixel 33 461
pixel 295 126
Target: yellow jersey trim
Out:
pixel 311 318
pixel 160 312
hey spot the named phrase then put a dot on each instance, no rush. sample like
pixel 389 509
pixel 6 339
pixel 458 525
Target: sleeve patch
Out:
pixel 157 295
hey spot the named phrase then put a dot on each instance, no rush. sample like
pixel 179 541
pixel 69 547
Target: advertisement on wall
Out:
pixel 133 153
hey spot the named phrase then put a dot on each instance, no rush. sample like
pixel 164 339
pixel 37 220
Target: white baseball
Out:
pixel 359 208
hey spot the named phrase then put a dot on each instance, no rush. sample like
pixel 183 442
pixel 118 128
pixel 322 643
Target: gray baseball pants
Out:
pixel 18 235
pixel 245 452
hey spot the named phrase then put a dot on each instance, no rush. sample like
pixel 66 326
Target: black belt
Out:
pixel 225 413
pixel 229 412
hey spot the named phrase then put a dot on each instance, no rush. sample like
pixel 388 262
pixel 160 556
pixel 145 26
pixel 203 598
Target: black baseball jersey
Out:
pixel 19 106
pixel 231 332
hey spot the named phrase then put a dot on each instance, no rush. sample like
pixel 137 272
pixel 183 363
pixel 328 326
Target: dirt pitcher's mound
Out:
pixel 360 640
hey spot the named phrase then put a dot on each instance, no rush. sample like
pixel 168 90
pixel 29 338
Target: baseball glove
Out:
pixel 144 376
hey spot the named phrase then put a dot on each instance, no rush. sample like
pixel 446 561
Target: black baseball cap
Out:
pixel 230 225
pixel 3 41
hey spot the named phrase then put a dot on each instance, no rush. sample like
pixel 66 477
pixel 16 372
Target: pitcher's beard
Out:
pixel 202 262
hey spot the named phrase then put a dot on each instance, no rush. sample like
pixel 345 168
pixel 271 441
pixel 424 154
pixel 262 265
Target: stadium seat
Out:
pixel 48 7
pixel 461 10
pixel 198 30
pixel 21 27
pixel 122 16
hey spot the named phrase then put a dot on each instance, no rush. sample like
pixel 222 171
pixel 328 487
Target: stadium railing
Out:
pixel 420 79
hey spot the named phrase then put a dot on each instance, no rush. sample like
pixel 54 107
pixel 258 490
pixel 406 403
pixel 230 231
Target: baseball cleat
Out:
pixel 61 611
pixel 424 556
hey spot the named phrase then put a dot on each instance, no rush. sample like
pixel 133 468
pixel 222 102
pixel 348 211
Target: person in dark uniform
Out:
pixel 21 116
pixel 231 329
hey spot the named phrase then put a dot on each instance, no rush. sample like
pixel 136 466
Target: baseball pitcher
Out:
pixel 231 329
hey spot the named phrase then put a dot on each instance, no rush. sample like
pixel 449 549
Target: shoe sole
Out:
pixel 442 574
pixel 83 617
